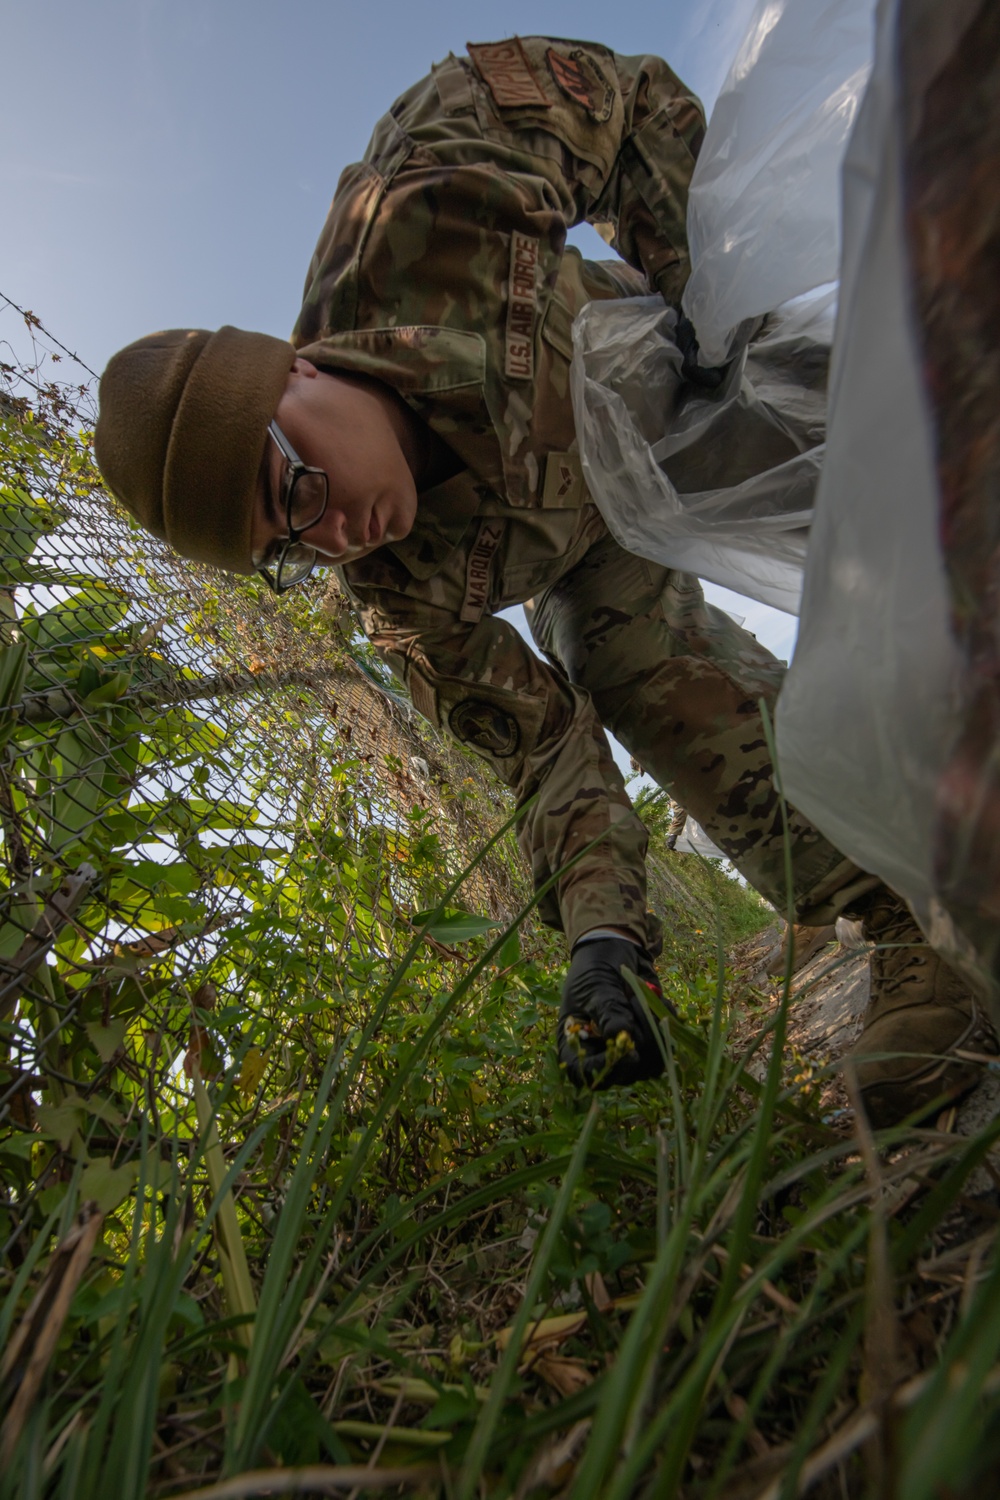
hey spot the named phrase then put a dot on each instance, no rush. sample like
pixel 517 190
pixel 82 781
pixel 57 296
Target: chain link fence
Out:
pixel 219 819
pixel 195 779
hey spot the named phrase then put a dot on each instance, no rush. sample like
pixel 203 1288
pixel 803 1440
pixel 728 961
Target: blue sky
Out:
pixel 170 162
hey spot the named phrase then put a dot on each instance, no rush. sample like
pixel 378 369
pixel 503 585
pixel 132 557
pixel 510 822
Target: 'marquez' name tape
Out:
pixel 477 575
pixel 522 307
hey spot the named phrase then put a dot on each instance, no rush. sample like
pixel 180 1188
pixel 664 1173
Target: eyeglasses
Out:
pixel 304 493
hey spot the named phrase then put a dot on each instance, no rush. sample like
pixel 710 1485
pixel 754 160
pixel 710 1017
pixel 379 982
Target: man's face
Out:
pixel 357 433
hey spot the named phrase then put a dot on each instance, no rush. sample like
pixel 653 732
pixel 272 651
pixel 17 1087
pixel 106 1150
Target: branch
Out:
pixel 58 911
pixel 57 703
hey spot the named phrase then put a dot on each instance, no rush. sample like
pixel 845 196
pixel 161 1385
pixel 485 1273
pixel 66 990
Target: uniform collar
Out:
pixel 443 517
pixel 419 359
pixel 439 372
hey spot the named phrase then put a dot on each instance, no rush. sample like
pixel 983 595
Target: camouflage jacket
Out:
pixel 442 267
pixel 443 271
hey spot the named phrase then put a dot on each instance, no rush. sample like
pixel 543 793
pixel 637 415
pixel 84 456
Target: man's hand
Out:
pixel 705 377
pixel 604 1037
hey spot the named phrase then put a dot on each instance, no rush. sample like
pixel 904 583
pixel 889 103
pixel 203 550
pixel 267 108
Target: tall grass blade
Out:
pixel 482 1438
pixel 232 1254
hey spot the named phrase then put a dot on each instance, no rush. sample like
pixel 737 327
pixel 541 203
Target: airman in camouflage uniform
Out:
pixel 678 822
pixel 443 270
pixel 443 276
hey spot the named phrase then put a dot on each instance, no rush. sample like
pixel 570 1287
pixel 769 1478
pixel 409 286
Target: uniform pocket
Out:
pixel 501 724
pixel 454 87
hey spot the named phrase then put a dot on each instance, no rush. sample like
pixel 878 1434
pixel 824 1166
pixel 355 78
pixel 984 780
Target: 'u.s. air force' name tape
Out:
pixel 522 307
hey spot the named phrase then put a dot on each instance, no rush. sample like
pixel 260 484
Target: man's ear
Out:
pixel 303 367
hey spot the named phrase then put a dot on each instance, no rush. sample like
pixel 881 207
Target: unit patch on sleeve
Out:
pixel 507 73
pixel 477 722
pixel 522 307
pixel 477 573
pixel 582 80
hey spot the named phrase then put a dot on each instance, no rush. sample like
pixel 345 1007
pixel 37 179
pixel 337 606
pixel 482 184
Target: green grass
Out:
pixel 704 908
pixel 444 1184
pixel 292 1186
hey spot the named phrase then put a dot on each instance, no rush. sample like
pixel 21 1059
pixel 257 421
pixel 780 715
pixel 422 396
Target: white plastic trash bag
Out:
pixel 716 483
pixel 764 207
pixel 867 711
pixel 694 840
pixel 887 723
pixel 722 484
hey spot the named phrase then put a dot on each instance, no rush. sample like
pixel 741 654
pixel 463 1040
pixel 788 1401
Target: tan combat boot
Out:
pixel 918 1005
pixel 806 943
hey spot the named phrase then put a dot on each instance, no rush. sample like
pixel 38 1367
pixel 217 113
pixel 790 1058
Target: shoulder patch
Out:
pixel 580 78
pixel 507 73
pixel 477 722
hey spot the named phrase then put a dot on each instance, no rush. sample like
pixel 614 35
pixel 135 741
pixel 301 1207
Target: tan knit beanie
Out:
pixel 181 433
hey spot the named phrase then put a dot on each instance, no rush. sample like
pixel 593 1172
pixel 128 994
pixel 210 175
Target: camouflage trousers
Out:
pixel 630 646
pixel 680 685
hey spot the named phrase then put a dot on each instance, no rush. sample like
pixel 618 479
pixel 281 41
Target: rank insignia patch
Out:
pixel 507 73
pixel 581 79
pixel 477 722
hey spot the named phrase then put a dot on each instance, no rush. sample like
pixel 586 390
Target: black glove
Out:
pixel 706 377
pixel 598 1006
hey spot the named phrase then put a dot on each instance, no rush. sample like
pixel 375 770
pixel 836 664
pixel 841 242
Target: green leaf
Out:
pixel 58 1122
pixel 23 520
pixel 13 666
pixel 109 691
pixel 455 926
pixel 189 1310
pixel 13 571
pixel 93 611
pixel 177 909
pixel 23 916
pixel 106 1040
pixel 452 1408
pixel 18 1146
pixel 105 1184
pixel 84 785
pixel 102 1109
pixel 509 953
pixel 149 873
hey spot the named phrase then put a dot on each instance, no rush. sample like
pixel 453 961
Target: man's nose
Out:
pixel 330 536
